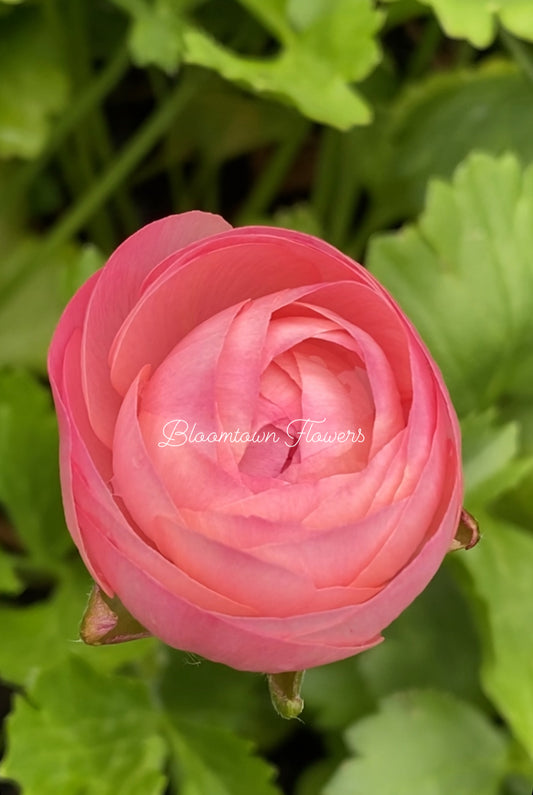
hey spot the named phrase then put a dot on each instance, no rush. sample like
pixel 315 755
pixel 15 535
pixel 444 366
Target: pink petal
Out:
pixel 214 274
pixel 64 339
pixel 117 291
pixel 98 516
pixel 242 645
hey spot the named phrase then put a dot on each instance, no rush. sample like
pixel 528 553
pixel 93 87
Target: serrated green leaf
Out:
pixel 81 731
pixel 342 34
pixel 476 20
pixel 335 49
pixel 422 743
pixel 500 569
pixel 212 760
pixel 464 274
pixel 292 76
pixel 33 84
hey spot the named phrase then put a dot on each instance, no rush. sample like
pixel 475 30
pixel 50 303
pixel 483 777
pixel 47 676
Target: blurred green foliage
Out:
pixel 400 131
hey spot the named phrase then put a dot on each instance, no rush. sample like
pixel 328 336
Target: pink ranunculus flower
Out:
pixel 259 457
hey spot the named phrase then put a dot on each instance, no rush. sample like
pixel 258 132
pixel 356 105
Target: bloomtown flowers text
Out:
pixel 177 433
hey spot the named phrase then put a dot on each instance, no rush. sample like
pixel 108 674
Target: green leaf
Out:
pixel 291 76
pixel 490 463
pixel 303 13
pixel 337 694
pixel 342 34
pixel 215 761
pixel 300 217
pixel 273 15
pixel 335 49
pixel 433 125
pixel 476 20
pixel 432 644
pixel 29 484
pixel 35 636
pixel 29 315
pixel 464 275
pixel 82 263
pixel 223 123
pixel 218 696
pixel 46 633
pixel 517 505
pixel 422 743
pixel 33 85
pixel 9 582
pixel 156 35
pixel 81 731
pixel 314 778
pixel 500 571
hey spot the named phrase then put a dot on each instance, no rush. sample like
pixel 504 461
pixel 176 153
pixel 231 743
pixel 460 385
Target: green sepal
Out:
pixel 285 693
pixel 467 534
pixel 107 621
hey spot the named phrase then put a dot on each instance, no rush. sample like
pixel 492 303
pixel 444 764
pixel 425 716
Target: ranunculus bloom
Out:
pixel 258 454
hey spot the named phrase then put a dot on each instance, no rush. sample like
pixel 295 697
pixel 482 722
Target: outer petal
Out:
pixel 71 320
pixel 118 290
pixel 274 645
pixel 185 626
pixel 213 274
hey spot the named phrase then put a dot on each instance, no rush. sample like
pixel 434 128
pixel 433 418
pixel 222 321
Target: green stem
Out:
pixel 95 135
pixel 173 168
pixel 425 50
pixel 519 51
pixel 267 186
pixel 347 189
pixel 465 55
pixel 84 158
pixel 326 175
pixel 203 184
pixel 97 195
pixel 77 111
pixel 373 220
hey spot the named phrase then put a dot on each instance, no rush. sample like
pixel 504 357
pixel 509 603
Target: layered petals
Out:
pixel 258 455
